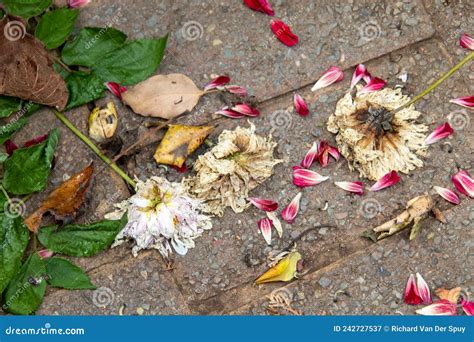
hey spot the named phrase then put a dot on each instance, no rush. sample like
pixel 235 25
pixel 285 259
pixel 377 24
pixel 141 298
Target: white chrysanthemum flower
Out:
pixel 160 215
pixel 375 141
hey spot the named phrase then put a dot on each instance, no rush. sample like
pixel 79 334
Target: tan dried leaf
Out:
pixel 164 96
pixel 451 295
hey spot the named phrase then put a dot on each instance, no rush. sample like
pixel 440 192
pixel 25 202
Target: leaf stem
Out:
pixel 436 83
pixel 94 148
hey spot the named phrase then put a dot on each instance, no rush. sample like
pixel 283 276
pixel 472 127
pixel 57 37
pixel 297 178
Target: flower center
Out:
pixel 378 119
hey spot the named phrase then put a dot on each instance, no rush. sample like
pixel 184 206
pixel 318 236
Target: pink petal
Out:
pixel 468 307
pixel 265 226
pixel 78 3
pixel 310 156
pixel 355 187
pixel 441 308
pixel 323 156
pixel 45 253
pixel 464 183
pixel 367 77
pixel 235 89
pixel 466 41
pixel 304 178
pixel 423 289
pixel 374 84
pixel 245 109
pixel 411 296
pixel 439 133
pixel 359 72
pixel 217 82
pixel 264 204
pixel 35 141
pixel 283 33
pixel 289 213
pixel 448 195
pixel 466 101
pixel 10 147
pixel 261 6
pixel 300 105
pixel 332 75
pixel 334 152
pixel 230 113
pixel 387 180
pixel 116 89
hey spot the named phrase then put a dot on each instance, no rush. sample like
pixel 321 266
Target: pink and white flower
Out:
pixel 374 84
pixel 78 3
pixel 265 226
pixel 245 109
pixel 115 89
pixel 417 292
pixel 464 183
pixel 310 156
pixel 355 187
pixel 45 253
pixel 468 307
pixel 304 178
pixel 465 101
pixel 332 75
pixel 238 90
pixel 264 204
pixel 386 181
pixel 439 133
pixel 448 195
pixel 260 6
pixel 283 33
pixel 289 213
pixel 359 73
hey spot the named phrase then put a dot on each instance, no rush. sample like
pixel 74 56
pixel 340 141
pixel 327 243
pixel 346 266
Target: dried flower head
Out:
pixel 160 215
pixel 239 162
pixel 374 140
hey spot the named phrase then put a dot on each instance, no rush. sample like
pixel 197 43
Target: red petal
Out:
pixel 245 109
pixel 466 41
pixel 334 152
pixel 464 183
pixel 389 179
pixel 289 213
pixel 217 82
pixel 355 187
pixel 439 133
pixel 116 89
pixel 35 141
pixel 230 113
pixel 441 308
pixel 332 75
pixel 359 73
pixel 181 169
pixel 300 105
pixel 448 195
pixel 310 156
pixel 374 84
pixel 283 33
pixel 423 289
pixel 466 101
pixel 45 253
pixel 264 204
pixel 10 147
pixel 235 89
pixel 468 307
pixel 260 5
pixel 265 226
pixel 411 296
pixel 304 178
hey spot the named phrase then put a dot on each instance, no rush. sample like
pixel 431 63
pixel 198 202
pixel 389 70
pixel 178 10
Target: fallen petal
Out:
pixel 423 289
pixel 464 183
pixel 300 105
pixel 359 72
pixel 466 41
pixel 264 204
pixel 448 195
pixel 310 156
pixel 355 187
pixel 283 33
pixel 389 179
pixel 323 153
pixel 265 226
pixel 466 101
pixel 10 147
pixel 468 307
pixel 235 89
pixel 45 253
pixel 304 178
pixel 289 213
pixel 35 141
pixel 260 5
pixel 78 3
pixel 374 84
pixel 332 75
pixel 440 308
pixel 245 109
pixel 230 113
pixel 217 82
pixel 411 296
pixel 440 132
pixel 276 222
pixel 285 270
pixel 334 152
pixel 116 89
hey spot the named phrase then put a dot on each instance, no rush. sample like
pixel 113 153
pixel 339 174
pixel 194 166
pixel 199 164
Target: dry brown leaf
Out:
pixel 64 201
pixel 26 69
pixel 179 142
pixel 451 295
pixel 163 96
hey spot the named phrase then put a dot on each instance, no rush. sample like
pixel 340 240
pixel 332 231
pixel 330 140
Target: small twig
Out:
pixel 61 63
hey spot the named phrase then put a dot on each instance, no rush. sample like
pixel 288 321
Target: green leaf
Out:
pixel 26 8
pixel 28 169
pixel 6 131
pixel 133 63
pixel 91 44
pixel 64 274
pixel 3 157
pixel 83 88
pixel 25 293
pixel 81 240
pixel 55 26
pixel 14 238
pixel 9 105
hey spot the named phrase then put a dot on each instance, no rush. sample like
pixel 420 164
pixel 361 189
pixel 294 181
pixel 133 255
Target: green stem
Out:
pixel 94 148
pixel 437 83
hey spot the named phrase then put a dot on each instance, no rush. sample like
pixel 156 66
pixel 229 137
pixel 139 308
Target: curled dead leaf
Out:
pixel 451 295
pixel 26 69
pixel 285 270
pixel 163 96
pixel 64 201
pixel 103 122
pixel 179 142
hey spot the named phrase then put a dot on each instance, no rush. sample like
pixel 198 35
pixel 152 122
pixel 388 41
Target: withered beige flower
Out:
pixel 373 140
pixel 239 162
